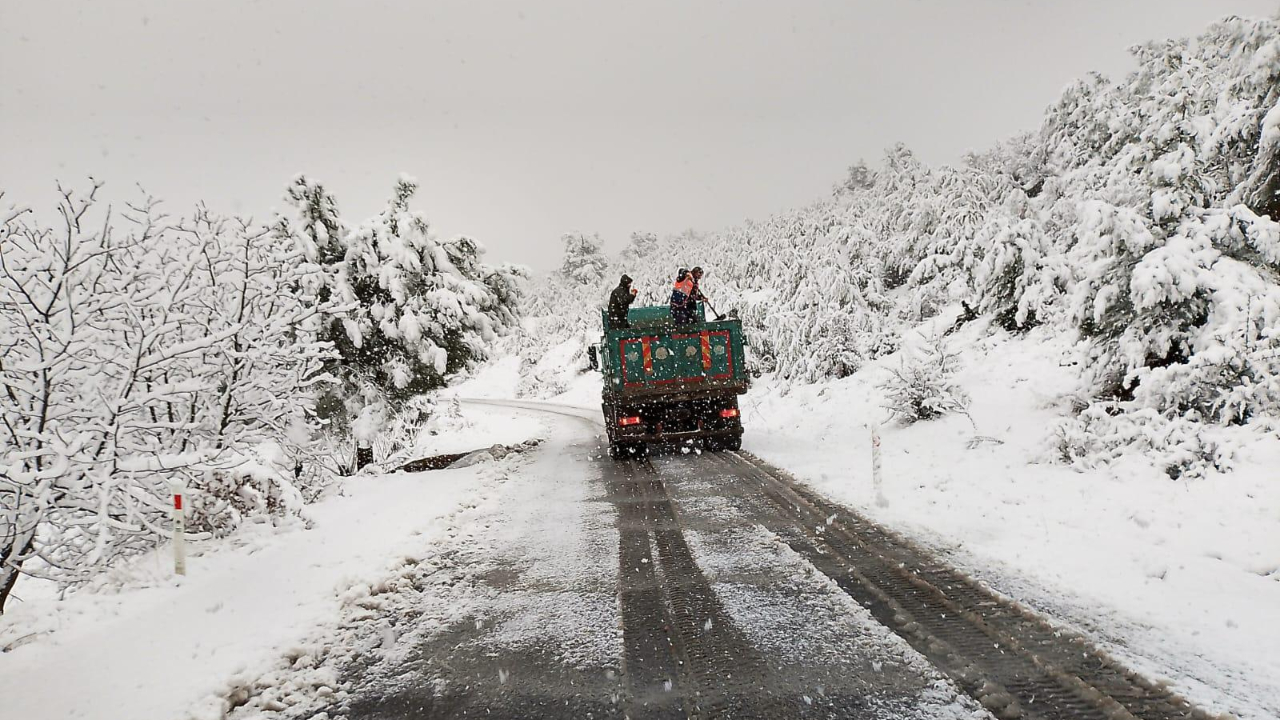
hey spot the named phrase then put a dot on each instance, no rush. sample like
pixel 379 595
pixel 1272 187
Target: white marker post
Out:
pixel 876 479
pixel 179 533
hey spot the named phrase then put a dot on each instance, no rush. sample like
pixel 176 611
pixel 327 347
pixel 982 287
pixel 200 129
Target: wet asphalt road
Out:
pixel 714 586
pixel 716 618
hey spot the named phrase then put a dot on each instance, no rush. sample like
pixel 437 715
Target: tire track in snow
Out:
pixel 684 656
pixel 1014 662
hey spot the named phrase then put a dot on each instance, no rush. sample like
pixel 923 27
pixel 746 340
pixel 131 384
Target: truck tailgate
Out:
pixel 677 359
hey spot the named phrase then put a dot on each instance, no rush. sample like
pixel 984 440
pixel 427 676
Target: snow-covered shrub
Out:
pixel 923 386
pixel 140 351
pixel 397 443
pixel 551 373
pixel 260 483
pixel 1102 434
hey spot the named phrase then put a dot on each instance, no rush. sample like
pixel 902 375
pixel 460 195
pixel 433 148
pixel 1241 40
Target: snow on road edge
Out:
pixel 165 647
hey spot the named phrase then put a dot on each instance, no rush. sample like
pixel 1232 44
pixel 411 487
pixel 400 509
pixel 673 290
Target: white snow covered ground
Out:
pixel 142 643
pixel 536 525
pixel 1177 577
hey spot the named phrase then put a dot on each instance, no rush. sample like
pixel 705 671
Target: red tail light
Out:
pixel 729 412
pixel 633 420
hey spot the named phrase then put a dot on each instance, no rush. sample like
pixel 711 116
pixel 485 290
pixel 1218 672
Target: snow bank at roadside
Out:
pixel 530 564
pixel 474 428
pixel 150 645
pixel 511 377
pixel 1178 577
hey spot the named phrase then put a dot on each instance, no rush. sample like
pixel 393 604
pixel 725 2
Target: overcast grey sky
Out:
pixel 525 120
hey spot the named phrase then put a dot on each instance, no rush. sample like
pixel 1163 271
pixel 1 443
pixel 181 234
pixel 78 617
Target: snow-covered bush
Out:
pixel 422 415
pixel 142 351
pixel 1178 443
pixel 260 483
pixel 923 386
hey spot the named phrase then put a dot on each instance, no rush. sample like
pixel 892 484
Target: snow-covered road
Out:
pixel 594 592
pixel 691 585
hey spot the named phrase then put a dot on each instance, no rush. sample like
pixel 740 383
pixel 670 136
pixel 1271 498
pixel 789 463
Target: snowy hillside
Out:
pixel 1179 578
pixel 1009 432
pixel 1139 220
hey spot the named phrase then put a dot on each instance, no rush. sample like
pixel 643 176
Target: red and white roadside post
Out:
pixel 179 531
pixel 876 479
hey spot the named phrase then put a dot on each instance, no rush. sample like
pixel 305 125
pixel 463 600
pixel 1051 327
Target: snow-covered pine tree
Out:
pixel 584 261
pixel 418 310
pixel 922 387
pixel 641 245
pixel 859 177
pixel 316 223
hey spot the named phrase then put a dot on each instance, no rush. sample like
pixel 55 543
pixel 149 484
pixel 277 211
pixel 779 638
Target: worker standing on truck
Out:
pixel 682 303
pixel 619 302
pixel 695 295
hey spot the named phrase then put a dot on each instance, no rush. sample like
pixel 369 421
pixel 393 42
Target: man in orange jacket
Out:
pixel 685 296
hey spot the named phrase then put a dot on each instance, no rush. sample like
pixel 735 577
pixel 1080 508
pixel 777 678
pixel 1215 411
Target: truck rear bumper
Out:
pixel 665 436
pixel 672 395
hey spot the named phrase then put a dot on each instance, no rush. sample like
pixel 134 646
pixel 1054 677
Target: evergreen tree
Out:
pixel 584 261
pixel 642 245
pixel 418 310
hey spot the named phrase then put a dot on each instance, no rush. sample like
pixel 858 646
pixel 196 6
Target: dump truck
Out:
pixel 666 383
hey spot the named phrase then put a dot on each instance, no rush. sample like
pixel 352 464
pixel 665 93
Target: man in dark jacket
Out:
pixel 696 295
pixel 619 301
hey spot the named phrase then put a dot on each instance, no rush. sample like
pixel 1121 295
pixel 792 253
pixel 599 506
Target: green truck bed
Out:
pixel 656 357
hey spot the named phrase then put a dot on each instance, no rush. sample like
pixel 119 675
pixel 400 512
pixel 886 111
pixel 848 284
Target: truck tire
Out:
pixel 718 443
